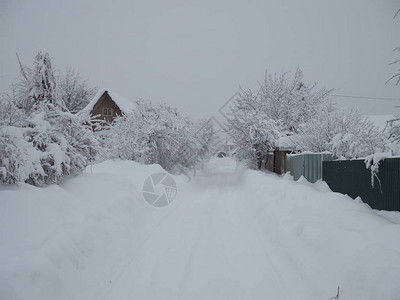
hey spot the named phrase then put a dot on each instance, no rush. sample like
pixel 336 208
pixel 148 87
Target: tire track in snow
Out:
pixel 218 233
pixel 209 247
pixel 193 250
pixel 120 271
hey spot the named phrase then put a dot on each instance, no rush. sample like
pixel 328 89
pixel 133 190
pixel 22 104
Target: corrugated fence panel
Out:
pixel 352 178
pixel 312 164
pixel 297 166
pixel 308 165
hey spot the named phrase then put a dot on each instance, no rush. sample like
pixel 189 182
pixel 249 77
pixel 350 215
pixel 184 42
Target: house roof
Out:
pixel 125 105
pixel 285 143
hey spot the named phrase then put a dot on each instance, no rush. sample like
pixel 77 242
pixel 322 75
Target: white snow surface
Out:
pixel 232 233
pixel 285 142
pixel 125 105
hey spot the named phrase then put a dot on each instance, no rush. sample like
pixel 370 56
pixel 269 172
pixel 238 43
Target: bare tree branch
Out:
pixel 21 68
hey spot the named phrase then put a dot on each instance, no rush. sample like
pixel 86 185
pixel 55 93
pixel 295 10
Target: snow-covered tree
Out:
pixel 346 134
pixel 278 109
pixel 289 101
pixel 36 85
pixel 251 128
pixel 74 91
pixel 43 82
pixel 156 134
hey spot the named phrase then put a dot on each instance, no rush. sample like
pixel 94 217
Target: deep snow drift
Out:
pixel 230 233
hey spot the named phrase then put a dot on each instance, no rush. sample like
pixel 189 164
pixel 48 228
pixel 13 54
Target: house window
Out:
pixel 107 112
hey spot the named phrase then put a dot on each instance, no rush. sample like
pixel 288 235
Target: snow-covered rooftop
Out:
pixel 285 143
pixel 123 103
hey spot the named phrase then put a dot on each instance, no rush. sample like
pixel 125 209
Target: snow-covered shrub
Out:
pixel 357 136
pixel 74 91
pixel 39 142
pixel 10 113
pixel 156 134
pixel 316 134
pixel 50 145
pixel 68 145
pixel 346 134
pixel 18 157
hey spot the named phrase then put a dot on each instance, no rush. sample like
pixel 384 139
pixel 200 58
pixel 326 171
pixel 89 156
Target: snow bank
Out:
pixel 61 242
pixel 330 239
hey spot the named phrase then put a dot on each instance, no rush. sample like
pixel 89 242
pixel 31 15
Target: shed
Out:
pixel 276 161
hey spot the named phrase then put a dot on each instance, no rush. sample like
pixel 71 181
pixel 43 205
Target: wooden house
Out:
pixel 106 105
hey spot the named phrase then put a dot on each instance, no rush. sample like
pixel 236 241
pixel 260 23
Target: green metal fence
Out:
pixel 352 178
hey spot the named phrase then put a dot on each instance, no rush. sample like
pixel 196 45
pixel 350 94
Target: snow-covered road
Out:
pixel 210 246
pixel 229 234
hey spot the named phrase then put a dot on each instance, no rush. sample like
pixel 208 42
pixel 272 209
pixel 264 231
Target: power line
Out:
pixel 365 97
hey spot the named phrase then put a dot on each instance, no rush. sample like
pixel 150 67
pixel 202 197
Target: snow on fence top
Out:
pixel 123 103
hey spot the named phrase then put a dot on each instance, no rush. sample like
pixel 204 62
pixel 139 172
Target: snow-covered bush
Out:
pixel 346 134
pixel 157 134
pixel 10 113
pixel 51 145
pixel 316 134
pixel 74 91
pixel 39 142
pixel 18 157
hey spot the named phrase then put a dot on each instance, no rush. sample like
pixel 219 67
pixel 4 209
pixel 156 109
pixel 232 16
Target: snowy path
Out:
pixel 213 245
pixel 227 235
pixel 209 248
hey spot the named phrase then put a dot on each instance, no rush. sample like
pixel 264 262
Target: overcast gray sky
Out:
pixel 195 54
